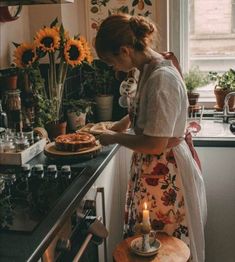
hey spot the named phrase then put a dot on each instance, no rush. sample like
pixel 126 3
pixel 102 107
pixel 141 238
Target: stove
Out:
pixel 28 193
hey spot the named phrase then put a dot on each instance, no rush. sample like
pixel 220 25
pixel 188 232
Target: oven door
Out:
pixel 83 245
pixel 87 232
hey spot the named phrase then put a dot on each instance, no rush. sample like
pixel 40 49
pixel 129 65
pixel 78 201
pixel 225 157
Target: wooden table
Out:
pixel 172 250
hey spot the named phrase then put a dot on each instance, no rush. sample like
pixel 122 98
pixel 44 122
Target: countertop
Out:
pixel 213 133
pixel 28 247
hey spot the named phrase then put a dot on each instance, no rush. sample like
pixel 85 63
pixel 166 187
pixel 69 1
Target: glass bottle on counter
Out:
pixel 3 117
pixel 13 107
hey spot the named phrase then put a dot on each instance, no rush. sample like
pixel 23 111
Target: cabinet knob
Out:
pixel 63 245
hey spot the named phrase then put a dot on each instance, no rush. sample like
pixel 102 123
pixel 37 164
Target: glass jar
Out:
pixel 21 143
pixel 13 108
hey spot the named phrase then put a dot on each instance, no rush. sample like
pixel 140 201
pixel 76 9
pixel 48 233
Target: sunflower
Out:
pixel 74 52
pixel 47 39
pixel 25 55
pixel 87 50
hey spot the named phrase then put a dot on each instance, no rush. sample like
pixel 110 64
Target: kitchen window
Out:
pixel 205 34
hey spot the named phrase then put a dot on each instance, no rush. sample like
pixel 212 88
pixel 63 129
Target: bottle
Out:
pixel 13 106
pixel 28 131
pixel 3 117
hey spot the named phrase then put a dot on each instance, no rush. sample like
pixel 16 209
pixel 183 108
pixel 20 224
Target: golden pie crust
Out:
pixel 98 128
pixel 75 142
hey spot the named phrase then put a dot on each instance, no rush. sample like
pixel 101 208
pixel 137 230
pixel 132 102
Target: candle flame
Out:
pixel 145 205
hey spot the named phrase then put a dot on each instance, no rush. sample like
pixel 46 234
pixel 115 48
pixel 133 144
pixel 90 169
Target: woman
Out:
pixel 163 171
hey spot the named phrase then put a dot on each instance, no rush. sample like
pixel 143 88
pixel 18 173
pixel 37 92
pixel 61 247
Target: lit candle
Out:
pixel 145 215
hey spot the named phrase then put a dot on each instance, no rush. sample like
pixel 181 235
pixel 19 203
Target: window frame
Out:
pixel 233 17
pixel 178 31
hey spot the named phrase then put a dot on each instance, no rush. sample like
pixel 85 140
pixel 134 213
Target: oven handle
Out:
pixel 90 235
pixel 83 247
pixel 101 191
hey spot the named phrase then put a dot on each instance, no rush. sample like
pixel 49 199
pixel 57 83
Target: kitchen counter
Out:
pixel 214 133
pixel 30 246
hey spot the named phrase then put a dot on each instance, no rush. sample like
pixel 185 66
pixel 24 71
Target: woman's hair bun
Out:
pixel 141 26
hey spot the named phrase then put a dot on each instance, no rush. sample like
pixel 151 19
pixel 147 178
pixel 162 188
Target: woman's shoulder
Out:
pixel 166 71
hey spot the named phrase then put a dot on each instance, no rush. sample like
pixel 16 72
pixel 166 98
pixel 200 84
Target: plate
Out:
pixel 136 247
pixel 50 150
pixel 98 128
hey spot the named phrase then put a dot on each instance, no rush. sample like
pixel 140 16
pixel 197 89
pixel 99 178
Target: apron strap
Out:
pixel 175 141
pixel 189 141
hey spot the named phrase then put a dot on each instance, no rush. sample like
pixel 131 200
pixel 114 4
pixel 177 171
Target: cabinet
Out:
pixel 218 165
pixel 114 181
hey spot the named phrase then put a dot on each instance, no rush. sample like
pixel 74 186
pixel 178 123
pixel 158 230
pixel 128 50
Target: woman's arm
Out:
pixel 122 124
pixel 139 143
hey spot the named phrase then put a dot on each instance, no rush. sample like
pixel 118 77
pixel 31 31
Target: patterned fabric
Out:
pixel 154 180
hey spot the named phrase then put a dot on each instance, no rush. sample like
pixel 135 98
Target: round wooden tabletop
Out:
pixel 172 249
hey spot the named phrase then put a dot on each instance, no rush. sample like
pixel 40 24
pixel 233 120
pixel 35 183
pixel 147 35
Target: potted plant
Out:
pixel 77 109
pixel 98 80
pixel 10 78
pixel 63 52
pixel 194 79
pixel 224 84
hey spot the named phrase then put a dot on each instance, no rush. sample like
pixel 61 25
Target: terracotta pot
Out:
pixel 220 95
pixel 55 129
pixel 10 82
pixel 193 98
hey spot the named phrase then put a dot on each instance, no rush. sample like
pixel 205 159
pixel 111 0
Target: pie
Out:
pixel 75 142
pixel 98 128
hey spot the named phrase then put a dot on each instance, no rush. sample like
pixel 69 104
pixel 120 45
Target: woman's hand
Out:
pixel 122 124
pixel 107 138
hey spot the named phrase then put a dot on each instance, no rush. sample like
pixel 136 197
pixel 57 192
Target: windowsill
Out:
pixel 207 97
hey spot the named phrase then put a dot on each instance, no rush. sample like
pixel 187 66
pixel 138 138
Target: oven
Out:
pixel 31 191
pixel 81 234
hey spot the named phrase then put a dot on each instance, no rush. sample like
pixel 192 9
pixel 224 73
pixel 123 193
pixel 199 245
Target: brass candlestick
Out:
pixel 145 230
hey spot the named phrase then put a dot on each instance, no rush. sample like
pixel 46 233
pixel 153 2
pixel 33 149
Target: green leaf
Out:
pixel 16 44
pixel 164 186
pixel 135 2
pixel 147 13
pixel 124 9
pixel 54 22
pixel 132 12
pixel 148 2
pixel 77 36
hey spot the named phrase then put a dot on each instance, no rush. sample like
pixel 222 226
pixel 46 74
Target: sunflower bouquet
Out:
pixel 62 52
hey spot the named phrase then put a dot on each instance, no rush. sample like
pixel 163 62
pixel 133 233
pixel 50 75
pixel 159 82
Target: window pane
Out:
pixel 212 35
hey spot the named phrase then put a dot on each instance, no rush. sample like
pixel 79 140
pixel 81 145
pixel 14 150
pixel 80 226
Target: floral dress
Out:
pixel 158 180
